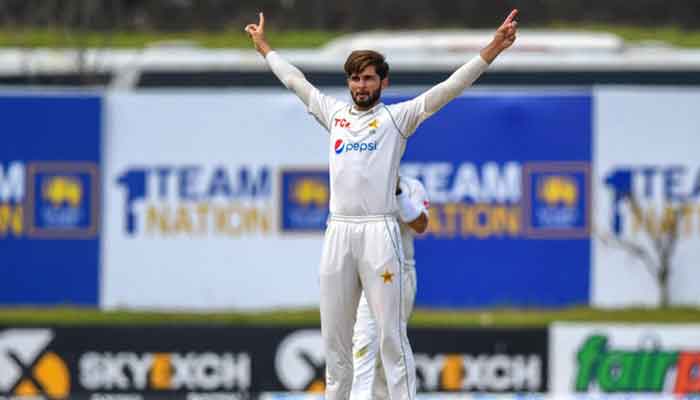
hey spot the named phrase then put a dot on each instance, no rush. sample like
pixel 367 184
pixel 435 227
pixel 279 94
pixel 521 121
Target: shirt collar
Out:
pixel 354 111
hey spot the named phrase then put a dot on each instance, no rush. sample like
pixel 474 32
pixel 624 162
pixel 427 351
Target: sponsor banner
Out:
pixel 477 360
pixel 614 358
pixel 480 360
pixel 508 177
pixel 141 396
pixel 183 361
pixel 213 201
pixel 116 362
pixel 653 161
pixel 50 199
pixel 199 188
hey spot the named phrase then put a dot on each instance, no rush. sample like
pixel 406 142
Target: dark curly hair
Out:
pixel 358 60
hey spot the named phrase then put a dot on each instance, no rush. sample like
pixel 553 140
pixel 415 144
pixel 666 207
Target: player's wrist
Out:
pixel 491 51
pixel 263 48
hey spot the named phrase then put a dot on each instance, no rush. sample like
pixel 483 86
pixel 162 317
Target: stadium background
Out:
pixel 183 179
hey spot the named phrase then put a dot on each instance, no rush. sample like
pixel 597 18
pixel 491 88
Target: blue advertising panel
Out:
pixel 304 193
pixel 509 182
pixel 49 199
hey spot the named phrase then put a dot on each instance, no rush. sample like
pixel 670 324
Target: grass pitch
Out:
pixel 236 38
pixel 310 317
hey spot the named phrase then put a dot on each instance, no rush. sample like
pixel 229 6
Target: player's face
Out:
pixel 366 87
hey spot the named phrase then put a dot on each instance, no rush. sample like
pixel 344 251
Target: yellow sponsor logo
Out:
pixel 310 191
pixel 556 190
pixel 161 372
pixel 317 386
pixel 52 374
pixel 479 220
pixel 60 190
pixel 27 369
pixel 453 372
pixel 11 219
pixel 201 219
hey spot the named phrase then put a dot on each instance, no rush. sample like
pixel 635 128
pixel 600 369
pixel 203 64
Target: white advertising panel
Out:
pixel 616 358
pixel 646 145
pixel 216 199
pixel 193 200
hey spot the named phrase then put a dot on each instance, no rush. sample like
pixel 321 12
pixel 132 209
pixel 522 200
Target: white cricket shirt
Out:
pixel 364 150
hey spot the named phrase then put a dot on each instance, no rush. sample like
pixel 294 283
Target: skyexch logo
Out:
pixel 300 362
pixel 27 369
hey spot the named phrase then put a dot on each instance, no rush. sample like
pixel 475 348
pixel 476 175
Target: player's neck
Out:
pixel 358 107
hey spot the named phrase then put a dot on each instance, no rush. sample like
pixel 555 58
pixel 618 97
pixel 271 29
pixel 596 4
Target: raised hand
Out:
pixel 257 35
pixel 502 39
pixel 506 33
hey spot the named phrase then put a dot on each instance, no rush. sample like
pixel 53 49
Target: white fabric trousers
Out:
pixel 369 381
pixel 364 254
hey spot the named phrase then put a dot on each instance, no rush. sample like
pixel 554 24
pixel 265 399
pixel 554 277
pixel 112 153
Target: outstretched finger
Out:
pixel 262 21
pixel 511 16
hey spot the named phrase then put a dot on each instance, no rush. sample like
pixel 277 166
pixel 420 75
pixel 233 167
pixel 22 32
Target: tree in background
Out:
pixel 663 234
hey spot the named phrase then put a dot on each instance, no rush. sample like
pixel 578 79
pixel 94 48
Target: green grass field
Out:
pixel 235 38
pixel 422 318
pixel 226 39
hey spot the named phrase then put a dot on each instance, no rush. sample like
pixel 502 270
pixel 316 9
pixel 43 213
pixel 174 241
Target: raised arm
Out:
pixel 444 92
pixel 290 76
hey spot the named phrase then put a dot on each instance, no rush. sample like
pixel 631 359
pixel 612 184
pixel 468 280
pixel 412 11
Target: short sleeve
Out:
pixel 408 115
pixel 323 107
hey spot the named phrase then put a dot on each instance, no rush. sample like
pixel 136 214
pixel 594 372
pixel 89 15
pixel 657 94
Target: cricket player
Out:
pixel 362 246
pixel 369 382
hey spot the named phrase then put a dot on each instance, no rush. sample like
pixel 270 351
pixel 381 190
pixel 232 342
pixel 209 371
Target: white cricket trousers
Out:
pixel 369 381
pixel 364 254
